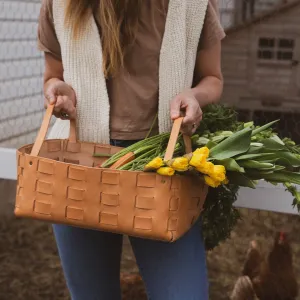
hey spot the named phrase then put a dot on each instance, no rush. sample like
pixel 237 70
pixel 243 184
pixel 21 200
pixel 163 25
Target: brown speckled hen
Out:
pixel 270 279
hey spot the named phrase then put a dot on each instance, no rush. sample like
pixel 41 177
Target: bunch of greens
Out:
pixel 219 216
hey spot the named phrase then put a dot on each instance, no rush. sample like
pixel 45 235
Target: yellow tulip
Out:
pixel 218 173
pixel 207 168
pixel 166 171
pixel 211 182
pixel 203 150
pixel 197 160
pixel 180 164
pixel 154 164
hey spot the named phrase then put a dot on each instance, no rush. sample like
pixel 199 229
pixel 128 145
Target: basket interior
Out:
pixel 80 153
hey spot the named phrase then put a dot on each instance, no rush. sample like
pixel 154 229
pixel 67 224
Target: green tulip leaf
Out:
pixel 255 156
pixel 253 164
pixel 230 165
pixel 234 145
pixel 240 180
pixel 264 127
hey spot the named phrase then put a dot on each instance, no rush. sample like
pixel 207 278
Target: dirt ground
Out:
pixel 30 268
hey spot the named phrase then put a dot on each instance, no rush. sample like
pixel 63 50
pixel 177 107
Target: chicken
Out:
pixel 268 279
pixel 243 289
pixel 277 280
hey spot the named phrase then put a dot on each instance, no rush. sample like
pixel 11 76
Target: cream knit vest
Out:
pixel 82 62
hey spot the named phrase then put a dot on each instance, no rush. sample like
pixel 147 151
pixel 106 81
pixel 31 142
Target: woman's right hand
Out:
pixel 63 96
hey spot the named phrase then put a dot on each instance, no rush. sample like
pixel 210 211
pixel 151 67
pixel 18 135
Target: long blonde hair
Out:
pixel 117 20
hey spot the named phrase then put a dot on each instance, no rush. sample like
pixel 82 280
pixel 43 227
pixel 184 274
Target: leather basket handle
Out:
pixel 44 129
pixel 72 136
pixel 173 140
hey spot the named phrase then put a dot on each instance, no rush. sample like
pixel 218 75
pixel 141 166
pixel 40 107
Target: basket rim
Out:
pixel 19 152
pixel 61 140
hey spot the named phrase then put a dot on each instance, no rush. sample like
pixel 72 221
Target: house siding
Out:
pixel 248 81
pixel 21 69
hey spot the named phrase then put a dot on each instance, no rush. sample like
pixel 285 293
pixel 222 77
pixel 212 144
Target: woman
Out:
pixel 114 65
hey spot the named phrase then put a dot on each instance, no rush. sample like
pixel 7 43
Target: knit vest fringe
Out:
pixel 82 62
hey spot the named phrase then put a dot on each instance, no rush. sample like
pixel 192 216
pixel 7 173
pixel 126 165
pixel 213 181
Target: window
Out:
pixel 275 49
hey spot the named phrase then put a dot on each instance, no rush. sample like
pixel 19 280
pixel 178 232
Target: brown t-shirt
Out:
pixel 133 93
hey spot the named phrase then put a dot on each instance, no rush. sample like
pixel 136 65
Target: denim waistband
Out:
pixel 122 143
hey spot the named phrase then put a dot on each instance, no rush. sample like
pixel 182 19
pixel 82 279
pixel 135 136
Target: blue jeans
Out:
pixel 171 271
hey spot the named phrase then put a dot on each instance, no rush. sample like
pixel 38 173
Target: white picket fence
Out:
pixel 21 72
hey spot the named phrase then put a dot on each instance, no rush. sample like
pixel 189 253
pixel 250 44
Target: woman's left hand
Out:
pixel 185 104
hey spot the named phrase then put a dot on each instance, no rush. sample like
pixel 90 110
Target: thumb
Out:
pixel 51 95
pixel 175 108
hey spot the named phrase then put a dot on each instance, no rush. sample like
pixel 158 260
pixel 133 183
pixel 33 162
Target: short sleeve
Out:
pixel 212 31
pixel 47 39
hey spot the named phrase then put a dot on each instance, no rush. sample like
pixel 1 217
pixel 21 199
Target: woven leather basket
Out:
pixel 58 182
